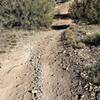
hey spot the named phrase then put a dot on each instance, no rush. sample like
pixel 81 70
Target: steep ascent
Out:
pixel 62 19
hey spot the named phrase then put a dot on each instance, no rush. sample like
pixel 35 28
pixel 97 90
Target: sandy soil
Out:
pixel 31 70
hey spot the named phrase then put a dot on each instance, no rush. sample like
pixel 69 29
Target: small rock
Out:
pixel 92 96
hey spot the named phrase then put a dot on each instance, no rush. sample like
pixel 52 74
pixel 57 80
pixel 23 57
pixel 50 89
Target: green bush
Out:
pixel 86 10
pixel 26 13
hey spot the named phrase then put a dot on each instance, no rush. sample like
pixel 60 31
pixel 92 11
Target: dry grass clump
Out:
pixel 86 10
pixel 73 40
pixel 26 13
pixel 78 38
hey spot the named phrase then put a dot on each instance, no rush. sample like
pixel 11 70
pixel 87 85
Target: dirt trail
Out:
pixel 56 81
pixel 51 81
pixel 62 16
pixel 35 69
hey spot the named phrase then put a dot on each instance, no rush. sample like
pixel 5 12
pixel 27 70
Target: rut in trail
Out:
pixel 50 72
pixel 51 80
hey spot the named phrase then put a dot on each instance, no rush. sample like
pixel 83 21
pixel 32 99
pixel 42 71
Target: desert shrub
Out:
pixel 92 74
pixel 79 38
pixel 86 10
pixel 72 39
pixel 80 45
pixel 93 39
pixel 26 13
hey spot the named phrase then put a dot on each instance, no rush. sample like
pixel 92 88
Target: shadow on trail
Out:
pixel 59 27
pixel 60 1
pixel 62 16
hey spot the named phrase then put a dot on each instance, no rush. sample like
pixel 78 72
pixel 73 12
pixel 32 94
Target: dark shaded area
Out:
pixel 60 1
pixel 93 41
pixel 62 16
pixel 16 25
pixel 60 27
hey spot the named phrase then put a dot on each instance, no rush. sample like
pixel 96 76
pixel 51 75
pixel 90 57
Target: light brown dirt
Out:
pixel 16 72
pixel 34 69
pixel 61 9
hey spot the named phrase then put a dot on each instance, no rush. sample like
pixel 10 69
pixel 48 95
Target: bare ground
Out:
pixel 32 66
pixel 32 70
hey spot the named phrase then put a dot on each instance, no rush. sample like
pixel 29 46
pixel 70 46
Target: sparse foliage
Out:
pixel 26 13
pixel 86 10
pixel 93 39
pixel 73 40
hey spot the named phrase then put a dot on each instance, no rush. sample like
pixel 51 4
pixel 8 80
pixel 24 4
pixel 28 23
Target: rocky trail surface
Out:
pixel 34 69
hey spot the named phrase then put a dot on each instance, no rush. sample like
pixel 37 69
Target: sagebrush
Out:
pixel 86 10
pixel 26 13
